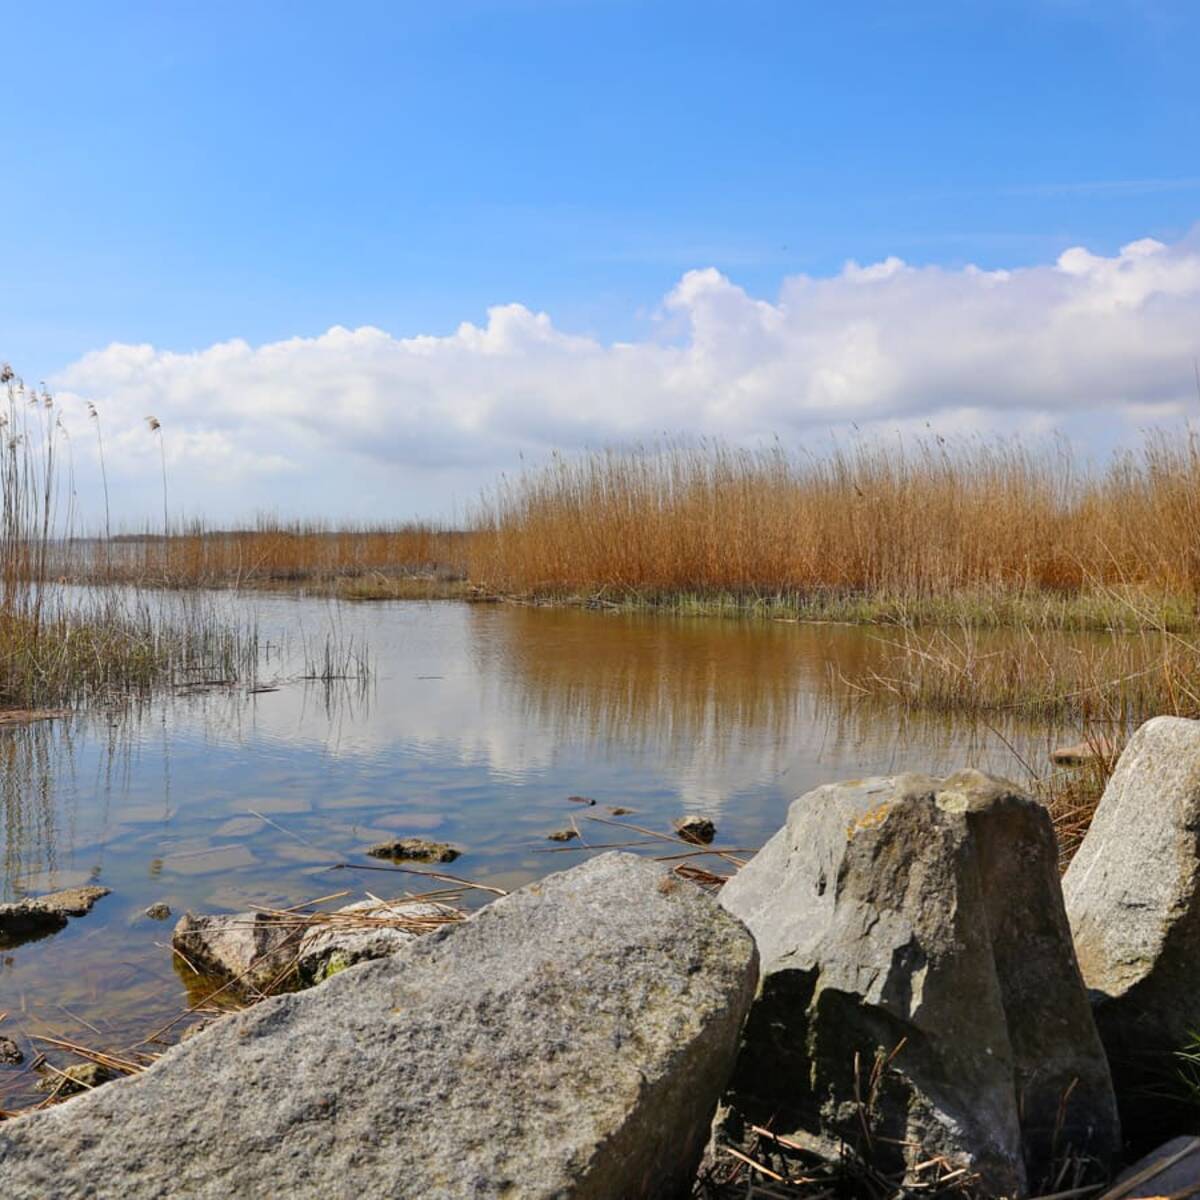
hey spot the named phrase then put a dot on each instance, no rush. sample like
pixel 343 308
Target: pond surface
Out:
pixel 476 724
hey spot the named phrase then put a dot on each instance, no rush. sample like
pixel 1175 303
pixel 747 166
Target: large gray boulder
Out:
pixel 1133 899
pixel 919 984
pixel 571 1039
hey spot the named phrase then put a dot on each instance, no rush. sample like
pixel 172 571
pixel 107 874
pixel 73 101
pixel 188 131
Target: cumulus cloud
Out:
pixel 350 421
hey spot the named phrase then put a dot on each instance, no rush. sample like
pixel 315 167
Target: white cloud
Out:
pixel 358 422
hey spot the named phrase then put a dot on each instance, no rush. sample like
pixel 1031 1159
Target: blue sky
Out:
pixel 181 175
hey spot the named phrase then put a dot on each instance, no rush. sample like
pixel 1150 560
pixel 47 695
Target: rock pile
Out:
pixel 919 984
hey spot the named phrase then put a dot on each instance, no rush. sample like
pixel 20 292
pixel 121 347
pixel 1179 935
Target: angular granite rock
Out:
pixel 571 1039
pixel 914 928
pixel 1133 899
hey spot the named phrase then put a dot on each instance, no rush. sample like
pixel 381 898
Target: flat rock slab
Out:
pixel 25 920
pixel 74 902
pixel 919 982
pixel 569 1040
pixel 1133 899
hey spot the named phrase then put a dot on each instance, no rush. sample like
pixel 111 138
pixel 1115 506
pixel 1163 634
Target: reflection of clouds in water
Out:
pixel 713 708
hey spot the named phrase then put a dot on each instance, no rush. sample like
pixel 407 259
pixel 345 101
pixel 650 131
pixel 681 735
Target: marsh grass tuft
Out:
pixel 58 645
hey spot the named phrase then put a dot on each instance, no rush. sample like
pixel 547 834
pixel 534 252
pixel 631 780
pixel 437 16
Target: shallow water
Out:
pixel 477 723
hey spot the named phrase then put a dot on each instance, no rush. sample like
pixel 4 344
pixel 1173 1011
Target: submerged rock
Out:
pixel 11 1054
pixel 159 911
pixel 415 849
pixel 570 1039
pixel 562 835
pixel 82 1077
pixel 1133 899
pixel 698 830
pixel 919 979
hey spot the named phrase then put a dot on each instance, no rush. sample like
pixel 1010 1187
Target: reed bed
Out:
pixel 361 562
pixel 990 532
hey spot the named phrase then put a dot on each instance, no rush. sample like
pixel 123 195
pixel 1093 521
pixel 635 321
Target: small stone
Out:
pixel 28 919
pixel 82 1077
pixel 255 949
pixel 414 849
pixel 698 830
pixel 159 911
pixel 562 835
pixel 623 812
pixel 326 949
pixel 260 953
pixel 10 1052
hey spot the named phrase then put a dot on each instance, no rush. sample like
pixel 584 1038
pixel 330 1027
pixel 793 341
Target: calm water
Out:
pixel 477 723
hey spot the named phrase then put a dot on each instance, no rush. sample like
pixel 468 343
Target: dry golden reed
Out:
pixel 901 523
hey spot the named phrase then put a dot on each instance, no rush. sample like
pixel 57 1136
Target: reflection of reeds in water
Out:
pixel 711 687
pixel 639 680
pixel 30 759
